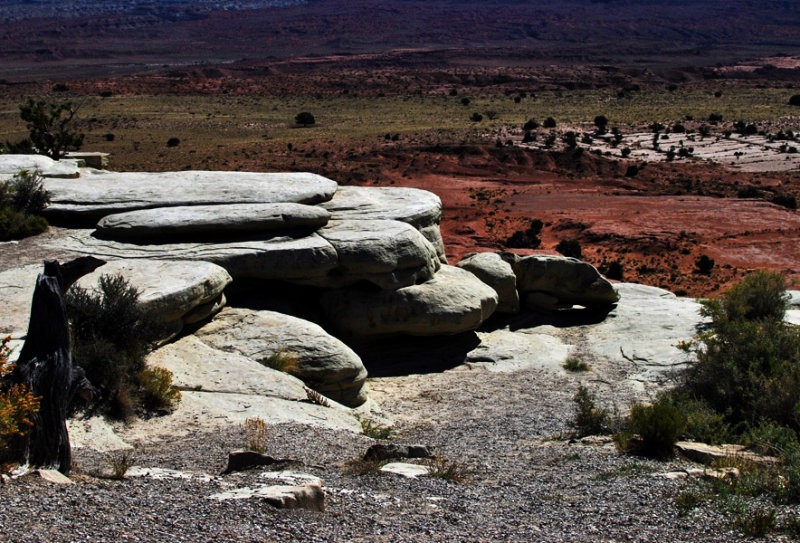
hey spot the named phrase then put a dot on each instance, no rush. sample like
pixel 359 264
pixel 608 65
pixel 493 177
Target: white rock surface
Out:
pixel 99 193
pixel 47 167
pixel 170 289
pixel 506 351
pixel 453 301
pixel 323 362
pixel 498 274
pixel 167 223
pixel 404 469
pixel 310 497
pixel 567 279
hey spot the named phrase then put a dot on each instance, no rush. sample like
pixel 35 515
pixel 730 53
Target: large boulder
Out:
pixel 546 282
pixel 454 301
pixel 99 193
pixel 498 274
pixel 182 222
pixel 323 362
pixel 388 254
pixel 176 292
pixel 419 208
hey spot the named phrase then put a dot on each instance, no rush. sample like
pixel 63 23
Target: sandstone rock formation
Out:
pixel 182 222
pixel 498 274
pixel 46 166
pixel 323 362
pixel 453 301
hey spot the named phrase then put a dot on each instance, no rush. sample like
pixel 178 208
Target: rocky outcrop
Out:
pixel 453 301
pixel 548 282
pixel 46 166
pixel 100 193
pixel 388 254
pixel 177 292
pixel 323 362
pixel 183 222
pixel 498 274
pixel 419 208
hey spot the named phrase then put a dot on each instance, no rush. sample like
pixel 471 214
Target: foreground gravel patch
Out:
pixel 526 481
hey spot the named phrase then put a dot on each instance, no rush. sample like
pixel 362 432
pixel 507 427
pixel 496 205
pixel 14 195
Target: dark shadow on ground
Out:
pixel 392 357
pixel 561 318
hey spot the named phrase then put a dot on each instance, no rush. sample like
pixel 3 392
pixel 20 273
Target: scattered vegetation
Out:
pixel 576 365
pixel 376 431
pixel 111 334
pixel 659 426
pixel 449 470
pixel 570 248
pixel 704 264
pixel 22 200
pixel 589 419
pixel 17 403
pixel 304 118
pixel 51 127
pixel 120 463
pixel 527 238
pixel 255 434
pixel 282 360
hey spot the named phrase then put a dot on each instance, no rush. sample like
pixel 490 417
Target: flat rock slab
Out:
pixel 506 351
pixel 47 167
pixel 708 454
pixel 311 497
pixel 99 193
pixel 404 469
pixel 296 259
pixel 419 208
pixel 454 301
pixel 167 223
pixel 324 363
pixel 198 366
pixel 170 289
pixel 389 254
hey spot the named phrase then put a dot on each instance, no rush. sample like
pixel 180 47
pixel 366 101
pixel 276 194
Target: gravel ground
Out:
pixel 525 483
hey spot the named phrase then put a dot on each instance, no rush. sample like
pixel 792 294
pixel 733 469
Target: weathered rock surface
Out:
pixel 568 280
pixel 99 193
pixel 386 451
pixel 47 167
pixel 303 259
pixel 506 351
pixel 17 286
pixel 389 254
pixel 453 301
pixel 404 469
pixel 170 289
pixel 419 208
pixel 198 366
pixel 167 223
pixel 708 454
pixel 323 362
pixel 310 496
pixel 498 274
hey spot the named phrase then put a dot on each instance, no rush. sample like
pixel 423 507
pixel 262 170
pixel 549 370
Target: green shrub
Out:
pixel 786 200
pixel 281 360
pixel 757 523
pixel 549 123
pixel 156 389
pixel 659 426
pixel 528 238
pixel 51 126
pixel 576 365
pixel 376 431
pixel 22 199
pixel 111 335
pixel 702 422
pixel 589 420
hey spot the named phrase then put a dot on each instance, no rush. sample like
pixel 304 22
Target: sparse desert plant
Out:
pixel 360 466
pixel 758 522
pixel 304 118
pixel 449 470
pixel 375 430
pixel 528 238
pixel 476 117
pixel 255 434
pixel 614 270
pixel 156 389
pixel 601 122
pixel 576 365
pixel 120 463
pixel 315 397
pixel 111 334
pixel 530 124
pixel 794 100
pixel 51 126
pixel 589 419
pixel 549 123
pixel 704 264
pixel 17 403
pixel 788 201
pixel 173 142
pixel 282 360
pixel 22 199
pixel 659 426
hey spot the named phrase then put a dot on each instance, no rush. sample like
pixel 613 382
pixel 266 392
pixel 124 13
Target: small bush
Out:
pixel 786 200
pixel 589 420
pixel 549 123
pixel 476 117
pixel 120 464
pixel 17 403
pixel 576 365
pixel 749 192
pixel 449 470
pixel 632 170
pixel 528 238
pixel 22 199
pixel 305 118
pixel 615 270
pixel 704 265
pixel 659 426
pixel 794 100
pixel 757 523
pixel 530 124
pixel 282 360
pixel 570 248
pixel 157 391
pixel 173 142
pixel 376 431
pixel 256 432
pixel 111 334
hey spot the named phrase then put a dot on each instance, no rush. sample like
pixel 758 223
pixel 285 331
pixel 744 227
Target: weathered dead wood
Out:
pixel 45 366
